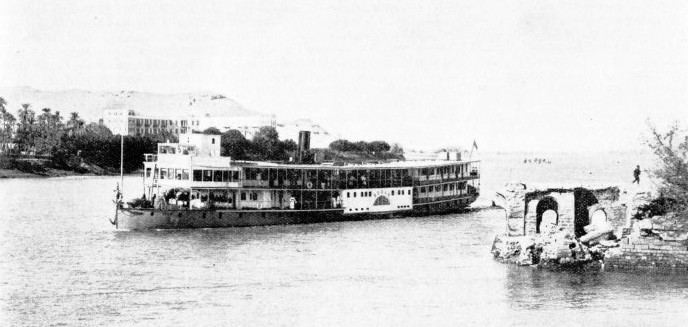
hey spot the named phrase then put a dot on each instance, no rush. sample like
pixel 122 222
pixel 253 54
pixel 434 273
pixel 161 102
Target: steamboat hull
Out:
pixel 147 219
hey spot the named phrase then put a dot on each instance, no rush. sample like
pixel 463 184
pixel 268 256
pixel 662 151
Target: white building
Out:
pixel 128 122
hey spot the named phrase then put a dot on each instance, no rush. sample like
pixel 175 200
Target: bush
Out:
pixel 671 151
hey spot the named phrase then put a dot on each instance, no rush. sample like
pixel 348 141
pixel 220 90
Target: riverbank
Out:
pixel 48 173
pixel 41 167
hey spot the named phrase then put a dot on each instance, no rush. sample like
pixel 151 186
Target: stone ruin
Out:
pixel 573 208
pixel 556 226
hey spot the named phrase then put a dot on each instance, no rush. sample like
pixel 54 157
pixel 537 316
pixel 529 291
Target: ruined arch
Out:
pixel 545 204
pixel 582 200
pixel 598 214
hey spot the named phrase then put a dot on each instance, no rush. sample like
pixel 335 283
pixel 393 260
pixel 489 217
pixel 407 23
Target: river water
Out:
pixel 62 263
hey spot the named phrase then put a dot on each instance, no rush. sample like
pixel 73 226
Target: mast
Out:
pixel 121 161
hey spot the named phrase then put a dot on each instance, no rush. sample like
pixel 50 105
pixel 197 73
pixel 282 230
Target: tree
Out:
pixel 234 144
pixel 378 147
pixel 397 149
pixel 267 144
pixel 671 151
pixel 97 131
pixel 75 124
pixel 342 145
pixel 288 146
pixel 24 136
pixel 212 131
pixel 7 122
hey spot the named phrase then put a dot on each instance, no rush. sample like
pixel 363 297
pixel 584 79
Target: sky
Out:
pixel 558 76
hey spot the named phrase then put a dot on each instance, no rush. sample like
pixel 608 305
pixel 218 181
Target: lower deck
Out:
pixel 175 218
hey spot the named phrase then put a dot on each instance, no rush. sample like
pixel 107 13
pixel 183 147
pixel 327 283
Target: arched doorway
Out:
pixel 582 200
pixel 598 217
pixel 547 214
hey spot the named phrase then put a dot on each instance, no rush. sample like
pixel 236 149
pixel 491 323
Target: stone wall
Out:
pixel 647 253
pixel 521 202
pixel 511 199
pixel 658 244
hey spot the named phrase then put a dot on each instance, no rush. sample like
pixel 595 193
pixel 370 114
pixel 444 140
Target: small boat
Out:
pixel 188 184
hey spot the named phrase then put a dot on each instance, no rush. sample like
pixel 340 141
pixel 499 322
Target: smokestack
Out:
pixel 304 144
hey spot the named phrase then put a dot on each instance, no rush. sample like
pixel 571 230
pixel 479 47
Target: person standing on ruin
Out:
pixel 636 175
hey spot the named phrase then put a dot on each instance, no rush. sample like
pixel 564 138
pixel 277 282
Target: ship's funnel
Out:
pixel 304 144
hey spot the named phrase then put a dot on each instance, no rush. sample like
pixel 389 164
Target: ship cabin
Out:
pixel 192 174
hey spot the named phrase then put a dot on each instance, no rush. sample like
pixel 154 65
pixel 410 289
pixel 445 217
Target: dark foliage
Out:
pixel 656 207
pixel 265 145
pixel 671 151
pixel 374 147
pixel 212 131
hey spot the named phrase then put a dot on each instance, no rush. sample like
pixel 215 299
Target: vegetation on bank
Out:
pixel 671 151
pixel 38 143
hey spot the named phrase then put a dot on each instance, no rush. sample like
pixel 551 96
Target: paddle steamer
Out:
pixel 190 185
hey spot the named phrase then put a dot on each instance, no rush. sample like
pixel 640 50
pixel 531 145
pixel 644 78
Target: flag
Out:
pixel 475 145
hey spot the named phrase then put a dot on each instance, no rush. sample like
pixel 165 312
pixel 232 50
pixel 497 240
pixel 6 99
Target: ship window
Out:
pixel 225 175
pixel 437 188
pixel 197 175
pixel 243 196
pixel 207 175
pixel 148 172
pixel 178 173
pixel 354 194
pixel 254 196
pixel 422 190
pixel 392 192
pixel 163 173
pixel 185 174
pixel 235 175
pixel 348 195
pixel 217 176
pixel 445 187
pixel 249 174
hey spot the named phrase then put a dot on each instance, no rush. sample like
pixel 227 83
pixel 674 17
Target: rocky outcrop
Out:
pixel 556 250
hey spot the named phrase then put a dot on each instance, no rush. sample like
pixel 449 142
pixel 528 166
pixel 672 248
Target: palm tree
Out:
pixel 26 125
pixel 6 124
pixel 75 124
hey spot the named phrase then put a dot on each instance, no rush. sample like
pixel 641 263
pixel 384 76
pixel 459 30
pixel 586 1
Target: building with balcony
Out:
pixel 129 122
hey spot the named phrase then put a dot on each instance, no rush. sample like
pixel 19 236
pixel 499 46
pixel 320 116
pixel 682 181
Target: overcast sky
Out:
pixel 513 75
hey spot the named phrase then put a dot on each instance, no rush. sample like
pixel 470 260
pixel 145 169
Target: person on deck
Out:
pixel 636 175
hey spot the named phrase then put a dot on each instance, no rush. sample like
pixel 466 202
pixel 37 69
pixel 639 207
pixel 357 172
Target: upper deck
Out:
pixel 197 162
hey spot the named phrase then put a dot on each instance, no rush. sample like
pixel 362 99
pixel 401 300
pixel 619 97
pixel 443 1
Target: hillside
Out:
pixel 90 104
pixel 216 110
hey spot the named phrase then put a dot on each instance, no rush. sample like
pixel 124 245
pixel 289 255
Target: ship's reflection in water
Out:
pixel 61 262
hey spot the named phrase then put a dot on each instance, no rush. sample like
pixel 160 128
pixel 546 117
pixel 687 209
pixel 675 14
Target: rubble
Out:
pixel 556 249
